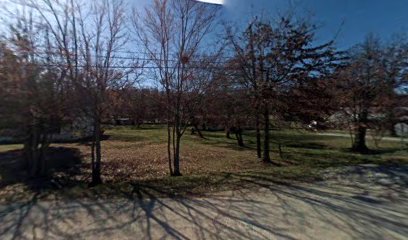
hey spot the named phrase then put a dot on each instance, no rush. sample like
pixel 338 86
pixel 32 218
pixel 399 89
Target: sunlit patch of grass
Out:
pixel 10 147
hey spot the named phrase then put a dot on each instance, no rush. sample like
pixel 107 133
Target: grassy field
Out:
pixel 135 158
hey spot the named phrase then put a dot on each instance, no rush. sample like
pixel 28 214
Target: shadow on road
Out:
pixel 361 203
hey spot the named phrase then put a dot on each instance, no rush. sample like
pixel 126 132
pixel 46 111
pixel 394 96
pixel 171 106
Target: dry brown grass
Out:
pixel 135 157
pixel 125 161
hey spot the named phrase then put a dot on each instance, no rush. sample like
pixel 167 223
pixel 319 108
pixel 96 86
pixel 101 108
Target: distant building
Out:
pixel 77 129
pixel 80 128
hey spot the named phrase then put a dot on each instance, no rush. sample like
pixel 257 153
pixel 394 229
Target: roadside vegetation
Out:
pixel 76 71
pixel 134 159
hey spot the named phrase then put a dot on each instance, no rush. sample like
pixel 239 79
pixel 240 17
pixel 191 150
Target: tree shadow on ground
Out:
pixel 309 145
pixel 277 139
pixel 61 162
pixel 222 141
pixel 373 152
pixel 272 209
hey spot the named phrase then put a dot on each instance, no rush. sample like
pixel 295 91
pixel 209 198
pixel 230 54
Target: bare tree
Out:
pixel 173 32
pixel 363 89
pixel 34 89
pixel 139 105
pixel 395 63
pixel 246 62
pixel 87 37
pixel 272 57
pixel 228 105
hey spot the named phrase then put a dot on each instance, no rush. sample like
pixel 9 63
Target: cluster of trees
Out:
pixel 274 59
pixel 366 90
pixel 136 106
pixel 61 64
pixel 72 59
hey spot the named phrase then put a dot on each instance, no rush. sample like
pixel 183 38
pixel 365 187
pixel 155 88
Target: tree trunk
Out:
pixel 228 132
pixel 42 159
pixel 96 170
pixel 359 144
pixel 391 119
pixel 35 147
pixel 393 133
pixel 200 134
pixel 238 134
pixel 27 151
pixel 280 151
pixel 391 126
pixel 169 145
pixel 258 137
pixel 360 139
pixel 173 139
pixel 34 172
pixel 257 99
pixel 177 156
pixel 93 153
pixel 176 139
pixel 266 155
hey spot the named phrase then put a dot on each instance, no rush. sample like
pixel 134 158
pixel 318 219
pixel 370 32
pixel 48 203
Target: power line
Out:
pixel 128 67
pixel 50 55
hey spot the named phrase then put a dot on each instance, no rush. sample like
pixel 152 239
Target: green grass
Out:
pixel 147 134
pixel 300 149
pixel 10 147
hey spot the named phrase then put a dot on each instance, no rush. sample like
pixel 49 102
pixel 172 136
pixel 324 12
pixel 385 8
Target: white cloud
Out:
pixel 220 2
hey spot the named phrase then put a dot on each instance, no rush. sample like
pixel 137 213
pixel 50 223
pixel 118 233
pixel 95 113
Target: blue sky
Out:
pixel 351 19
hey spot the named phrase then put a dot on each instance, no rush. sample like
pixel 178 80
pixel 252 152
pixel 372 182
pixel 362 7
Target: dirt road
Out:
pixel 365 202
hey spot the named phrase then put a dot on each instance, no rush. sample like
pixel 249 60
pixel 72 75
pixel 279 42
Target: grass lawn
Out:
pixel 10 147
pixel 136 158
